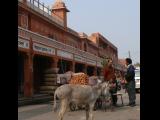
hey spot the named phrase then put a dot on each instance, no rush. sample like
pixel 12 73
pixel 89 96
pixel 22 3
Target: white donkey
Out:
pixel 79 94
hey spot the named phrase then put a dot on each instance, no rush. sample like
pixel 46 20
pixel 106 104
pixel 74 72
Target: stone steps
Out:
pixel 40 98
pixel 49 83
pixel 46 88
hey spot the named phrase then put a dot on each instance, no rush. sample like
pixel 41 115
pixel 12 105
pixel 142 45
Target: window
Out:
pixel 23 20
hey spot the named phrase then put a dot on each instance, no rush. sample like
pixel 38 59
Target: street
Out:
pixel 45 112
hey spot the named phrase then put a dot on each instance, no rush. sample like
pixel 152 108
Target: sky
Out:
pixel 116 20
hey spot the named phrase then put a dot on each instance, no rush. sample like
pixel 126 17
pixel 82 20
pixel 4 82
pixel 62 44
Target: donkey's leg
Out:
pixel 87 112
pixel 64 104
pixel 111 105
pixel 91 107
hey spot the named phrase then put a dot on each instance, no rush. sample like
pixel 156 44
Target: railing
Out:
pixel 42 9
pixel 24 33
pixel 72 31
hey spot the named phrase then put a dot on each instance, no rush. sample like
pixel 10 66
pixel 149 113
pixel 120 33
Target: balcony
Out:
pixel 37 38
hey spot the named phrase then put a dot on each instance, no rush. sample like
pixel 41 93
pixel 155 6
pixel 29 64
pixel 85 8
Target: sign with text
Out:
pixel 92 62
pixel 99 64
pixel 79 58
pixel 23 43
pixel 43 48
pixel 64 54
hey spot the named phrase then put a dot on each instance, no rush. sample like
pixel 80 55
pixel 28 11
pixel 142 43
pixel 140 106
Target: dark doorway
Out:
pixel 79 67
pixel 90 70
pixel 98 71
pixel 64 66
pixel 20 74
pixel 40 64
pixel 85 47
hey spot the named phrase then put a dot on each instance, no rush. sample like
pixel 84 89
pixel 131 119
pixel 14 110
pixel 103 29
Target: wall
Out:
pixel 92 49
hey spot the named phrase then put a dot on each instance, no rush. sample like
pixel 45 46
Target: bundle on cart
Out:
pixel 79 78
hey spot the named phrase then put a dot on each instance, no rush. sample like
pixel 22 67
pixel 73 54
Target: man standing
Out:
pixel 130 85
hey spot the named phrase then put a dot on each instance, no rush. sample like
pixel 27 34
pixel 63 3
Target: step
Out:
pixel 51 70
pixel 51 92
pixel 44 88
pixel 50 79
pixel 50 75
pixel 34 100
pixel 50 83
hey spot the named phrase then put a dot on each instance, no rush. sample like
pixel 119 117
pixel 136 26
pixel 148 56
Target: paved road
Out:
pixel 44 112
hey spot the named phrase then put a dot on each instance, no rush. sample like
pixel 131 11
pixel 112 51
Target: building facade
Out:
pixel 45 41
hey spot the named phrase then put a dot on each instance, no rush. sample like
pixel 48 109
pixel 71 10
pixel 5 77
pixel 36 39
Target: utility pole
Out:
pixel 129 54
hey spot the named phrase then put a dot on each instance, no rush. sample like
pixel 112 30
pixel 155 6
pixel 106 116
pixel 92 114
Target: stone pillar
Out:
pixel 95 71
pixel 28 75
pixel 72 67
pixel 85 69
pixel 55 62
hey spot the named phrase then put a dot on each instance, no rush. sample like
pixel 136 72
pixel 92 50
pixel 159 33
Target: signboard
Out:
pixel 64 54
pixel 44 49
pixel 92 62
pixel 99 64
pixel 79 58
pixel 23 43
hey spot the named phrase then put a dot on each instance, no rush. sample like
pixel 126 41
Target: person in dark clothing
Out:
pixel 130 85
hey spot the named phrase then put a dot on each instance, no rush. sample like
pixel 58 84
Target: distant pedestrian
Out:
pixel 130 85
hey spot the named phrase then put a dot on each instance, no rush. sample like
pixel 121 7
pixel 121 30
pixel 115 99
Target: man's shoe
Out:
pixel 132 105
